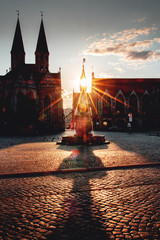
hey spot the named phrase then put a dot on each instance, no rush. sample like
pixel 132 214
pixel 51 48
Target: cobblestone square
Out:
pixel 41 153
pixel 120 203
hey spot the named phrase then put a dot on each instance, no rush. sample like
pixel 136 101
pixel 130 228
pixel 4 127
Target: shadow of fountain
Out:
pixel 80 218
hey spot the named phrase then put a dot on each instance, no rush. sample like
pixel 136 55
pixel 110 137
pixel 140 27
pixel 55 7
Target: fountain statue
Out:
pixel 83 120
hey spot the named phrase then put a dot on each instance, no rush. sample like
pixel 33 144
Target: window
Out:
pixel 106 105
pixel 133 107
pixel 120 104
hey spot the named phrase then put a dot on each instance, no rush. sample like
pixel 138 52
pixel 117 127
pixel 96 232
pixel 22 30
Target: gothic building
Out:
pixel 119 101
pixel 30 95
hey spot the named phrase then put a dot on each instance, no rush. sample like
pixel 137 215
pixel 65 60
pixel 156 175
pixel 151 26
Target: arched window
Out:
pixel 106 106
pixel 133 107
pixel 120 104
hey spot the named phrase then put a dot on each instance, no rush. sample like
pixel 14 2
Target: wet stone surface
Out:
pixel 120 204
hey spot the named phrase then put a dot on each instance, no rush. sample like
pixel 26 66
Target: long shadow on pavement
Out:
pixel 81 157
pixel 78 218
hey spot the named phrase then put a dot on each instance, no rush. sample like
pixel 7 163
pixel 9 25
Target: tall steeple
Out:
pixel 83 82
pixel 83 72
pixel 17 51
pixel 42 53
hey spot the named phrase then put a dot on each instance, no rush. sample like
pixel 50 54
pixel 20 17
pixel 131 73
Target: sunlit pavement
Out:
pixel 42 154
pixel 108 204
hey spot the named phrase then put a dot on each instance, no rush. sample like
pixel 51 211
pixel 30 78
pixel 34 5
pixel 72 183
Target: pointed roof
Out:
pixel 18 41
pixel 42 42
pixel 83 73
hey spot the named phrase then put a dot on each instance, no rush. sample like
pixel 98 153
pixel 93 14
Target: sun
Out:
pixel 85 82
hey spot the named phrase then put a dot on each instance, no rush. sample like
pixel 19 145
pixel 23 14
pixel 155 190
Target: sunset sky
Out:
pixel 118 38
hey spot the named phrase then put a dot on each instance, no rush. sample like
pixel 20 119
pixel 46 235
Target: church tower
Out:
pixel 17 51
pixel 42 53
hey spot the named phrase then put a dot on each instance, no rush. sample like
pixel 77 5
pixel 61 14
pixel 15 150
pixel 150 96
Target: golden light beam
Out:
pixel 108 95
pixel 76 106
pixel 94 106
pixel 100 96
pixel 116 99
pixel 79 100
pixel 51 105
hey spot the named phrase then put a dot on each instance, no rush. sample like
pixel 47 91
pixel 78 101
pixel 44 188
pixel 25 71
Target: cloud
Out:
pixel 126 45
pixel 140 44
pixel 104 75
pixel 104 47
pixel 125 50
pixel 157 55
pixel 89 38
pixel 119 69
pixel 157 40
pixel 141 19
pixel 143 55
pixel 132 33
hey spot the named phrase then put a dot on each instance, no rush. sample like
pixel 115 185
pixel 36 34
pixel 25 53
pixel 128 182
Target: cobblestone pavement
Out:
pixel 94 205
pixel 40 153
pixel 119 204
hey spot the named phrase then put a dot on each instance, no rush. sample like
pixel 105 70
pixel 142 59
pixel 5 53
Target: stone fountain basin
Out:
pixel 79 140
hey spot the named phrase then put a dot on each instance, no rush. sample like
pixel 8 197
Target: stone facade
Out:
pixel 30 95
pixel 119 101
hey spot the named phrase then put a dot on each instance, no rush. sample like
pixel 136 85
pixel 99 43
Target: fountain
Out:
pixel 83 120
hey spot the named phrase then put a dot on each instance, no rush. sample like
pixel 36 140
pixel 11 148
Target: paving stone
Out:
pixel 119 236
pixel 116 232
pixel 125 230
pixel 122 203
pixel 144 234
pixel 48 233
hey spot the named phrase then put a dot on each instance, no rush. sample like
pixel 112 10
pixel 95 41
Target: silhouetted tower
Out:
pixel 83 83
pixel 17 51
pixel 42 53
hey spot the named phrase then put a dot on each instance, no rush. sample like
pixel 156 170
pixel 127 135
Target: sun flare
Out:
pixel 85 82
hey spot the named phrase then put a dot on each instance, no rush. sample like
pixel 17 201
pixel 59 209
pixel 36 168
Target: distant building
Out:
pixel 30 95
pixel 118 101
pixel 68 117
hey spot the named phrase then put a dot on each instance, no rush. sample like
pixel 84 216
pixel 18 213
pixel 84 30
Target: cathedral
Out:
pixel 30 95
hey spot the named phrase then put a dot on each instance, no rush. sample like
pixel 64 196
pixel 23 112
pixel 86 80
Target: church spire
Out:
pixel 17 51
pixel 83 76
pixel 42 42
pixel 83 81
pixel 42 52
